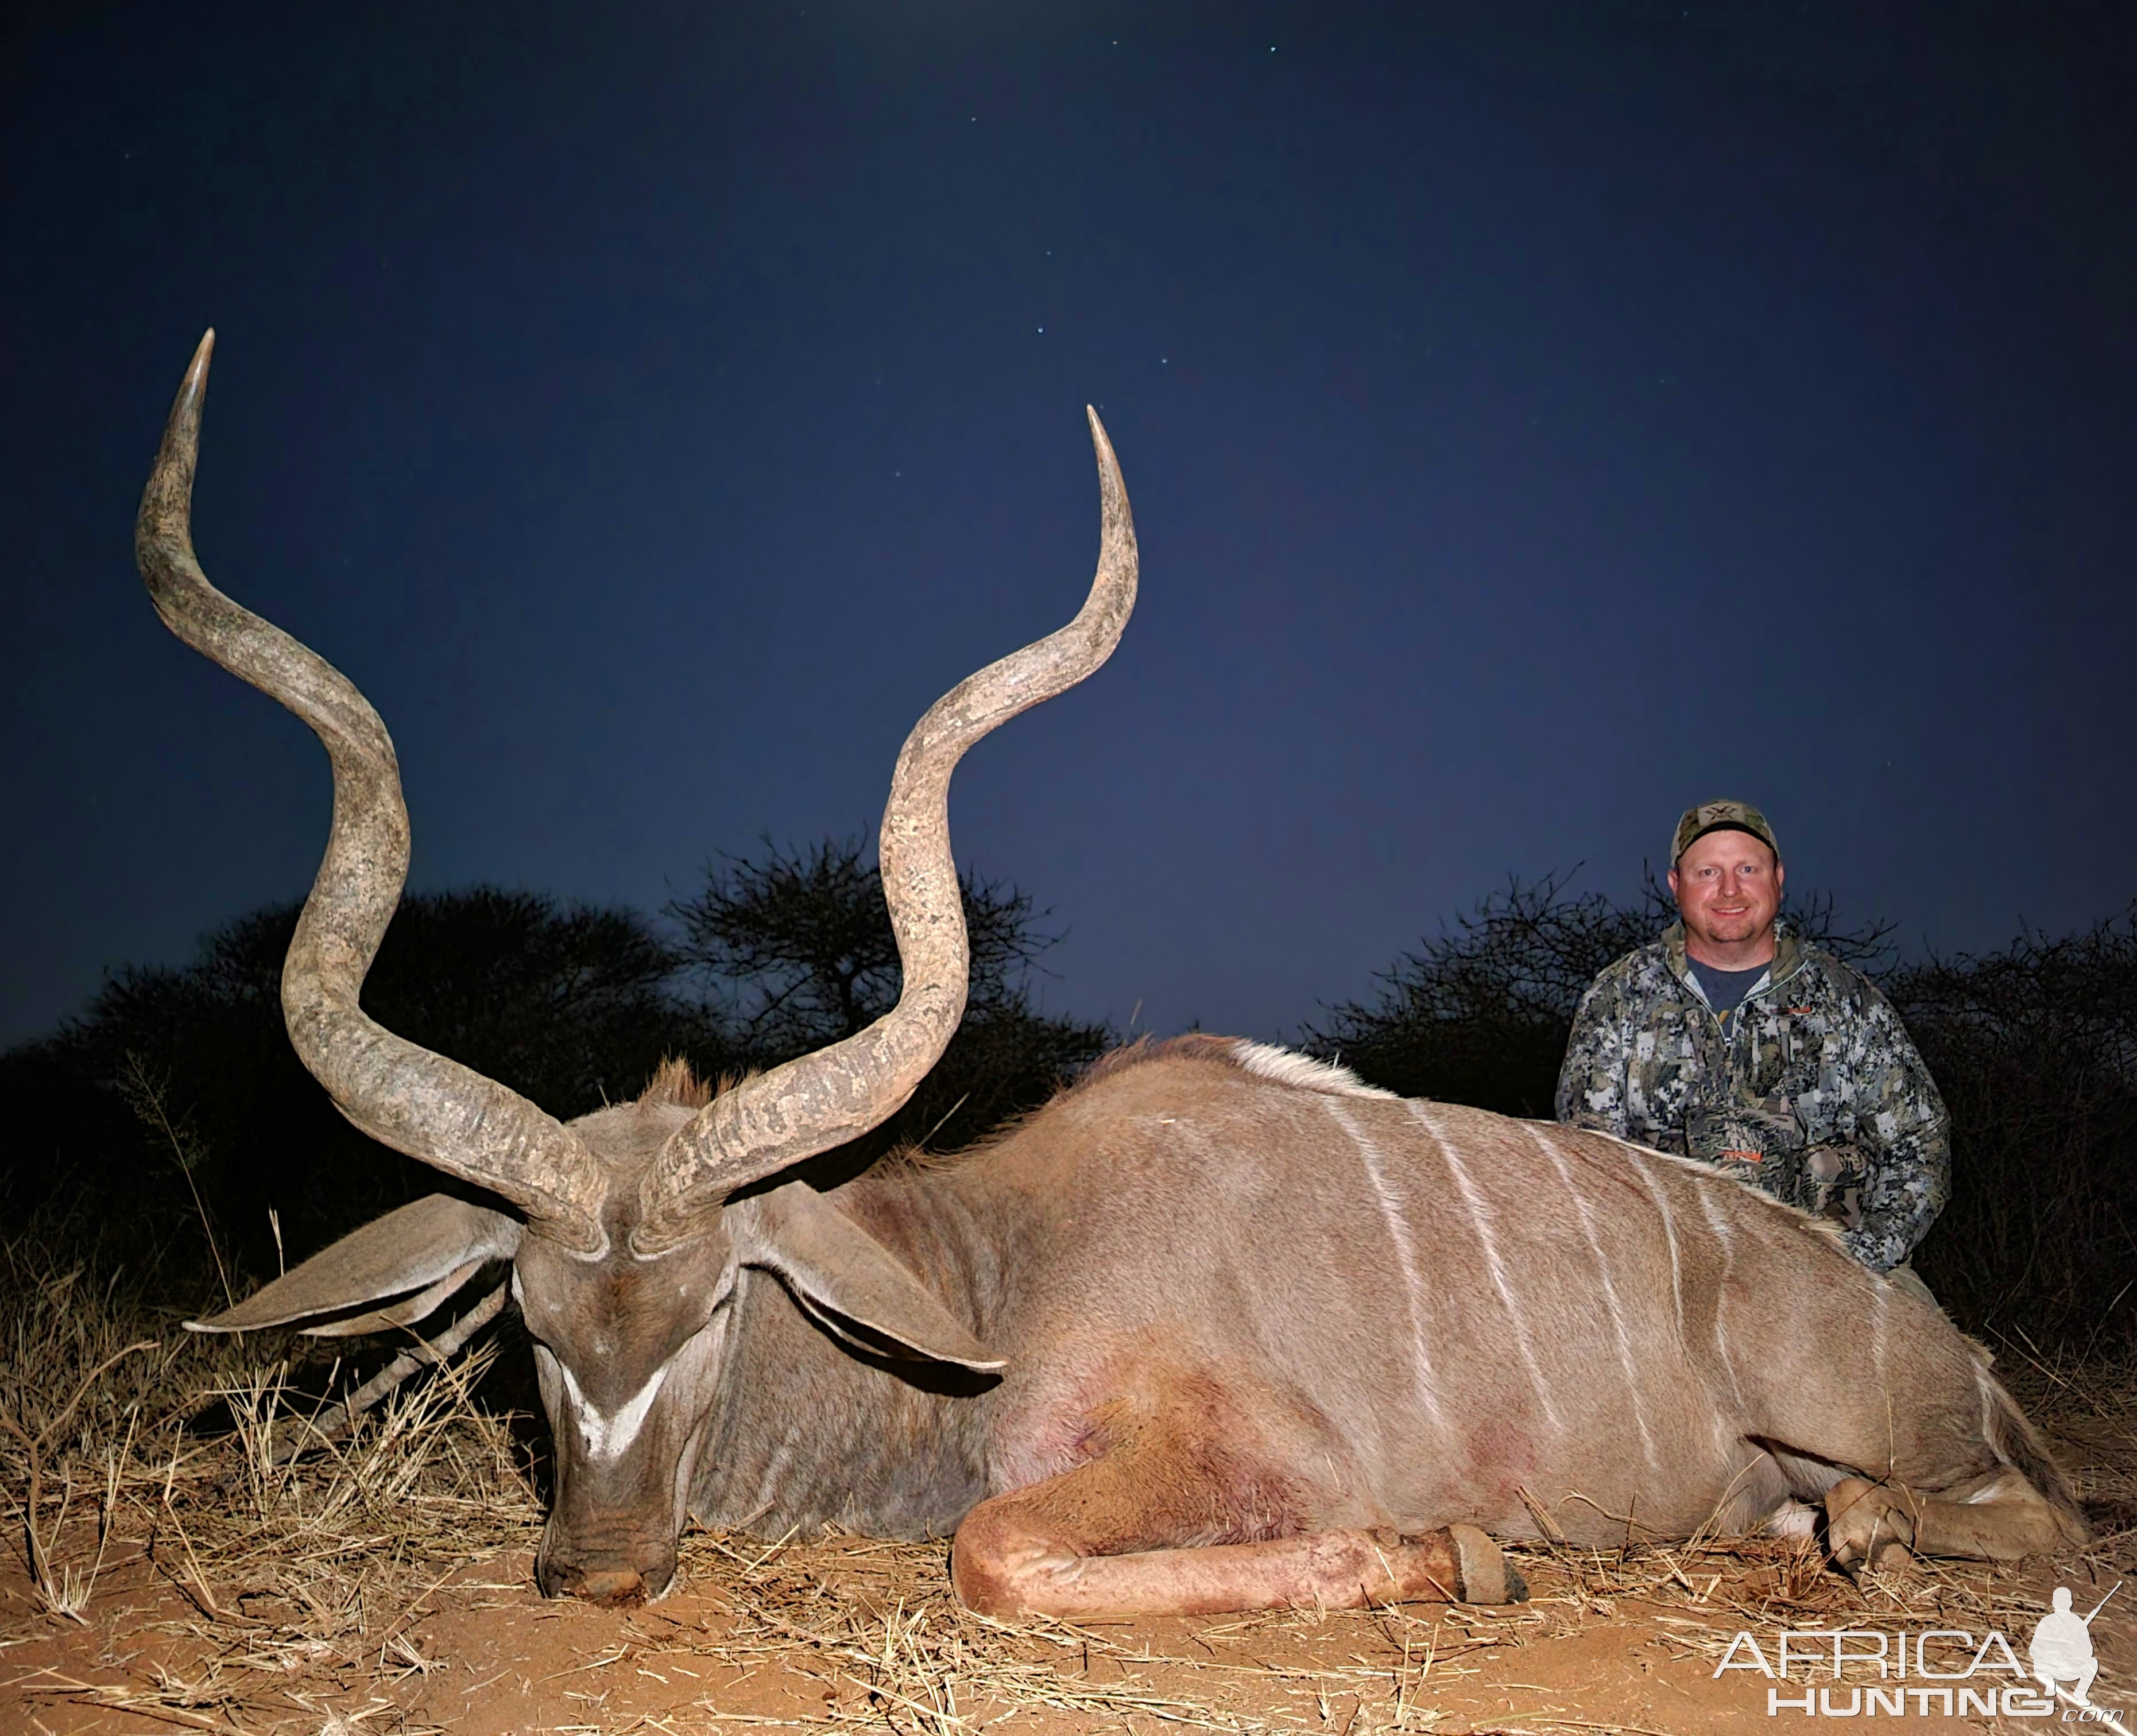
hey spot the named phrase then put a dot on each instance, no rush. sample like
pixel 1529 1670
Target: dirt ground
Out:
pixel 845 1633
pixel 413 1610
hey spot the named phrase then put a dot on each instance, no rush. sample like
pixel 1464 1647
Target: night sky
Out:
pixel 1537 419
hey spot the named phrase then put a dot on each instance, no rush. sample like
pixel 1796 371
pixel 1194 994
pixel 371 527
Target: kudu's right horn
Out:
pixel 448 1116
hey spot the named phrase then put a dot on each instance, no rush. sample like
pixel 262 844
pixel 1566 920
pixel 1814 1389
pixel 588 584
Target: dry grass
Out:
pixel 144 1469
pixel 877 1626
pixel 123 1438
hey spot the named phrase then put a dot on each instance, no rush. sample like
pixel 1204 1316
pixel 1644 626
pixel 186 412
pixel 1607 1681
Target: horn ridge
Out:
pixel 822 1099
pixel 432 1108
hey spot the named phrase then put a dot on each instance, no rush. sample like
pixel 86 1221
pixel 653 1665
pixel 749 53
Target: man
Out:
pixel 1731 1040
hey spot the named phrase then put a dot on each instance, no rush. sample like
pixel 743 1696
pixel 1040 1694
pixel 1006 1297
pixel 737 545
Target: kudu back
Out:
pixel 1220 1328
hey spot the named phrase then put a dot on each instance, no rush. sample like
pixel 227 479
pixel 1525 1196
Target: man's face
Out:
pixel 1728 888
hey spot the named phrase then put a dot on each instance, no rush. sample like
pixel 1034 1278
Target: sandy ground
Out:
pixel 386 1586
pixel 847 1634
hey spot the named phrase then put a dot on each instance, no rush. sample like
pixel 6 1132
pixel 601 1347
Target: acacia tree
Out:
pixel 797 950
pixel 178 1095
pixel 2035 1050
pixel 177 1092
pixel 1480 1012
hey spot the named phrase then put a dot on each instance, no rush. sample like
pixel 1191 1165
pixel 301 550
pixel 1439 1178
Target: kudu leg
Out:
pixel 1999 1517
pixel 1049 1551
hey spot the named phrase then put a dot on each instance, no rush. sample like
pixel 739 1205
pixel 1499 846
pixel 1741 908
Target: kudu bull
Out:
pixel 1221 1328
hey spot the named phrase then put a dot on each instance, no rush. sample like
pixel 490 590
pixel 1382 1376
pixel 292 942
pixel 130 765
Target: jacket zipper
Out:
pixel 1729 1032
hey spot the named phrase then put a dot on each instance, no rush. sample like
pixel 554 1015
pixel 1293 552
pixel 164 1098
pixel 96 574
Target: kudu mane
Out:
pixel 673 1083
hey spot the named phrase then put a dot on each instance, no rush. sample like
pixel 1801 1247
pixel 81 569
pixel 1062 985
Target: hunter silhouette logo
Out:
pixel 2061 1650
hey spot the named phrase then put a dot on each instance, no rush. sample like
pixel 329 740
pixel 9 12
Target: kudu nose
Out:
pixel 619 1586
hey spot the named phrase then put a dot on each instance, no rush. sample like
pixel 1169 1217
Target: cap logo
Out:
pixel 1710 816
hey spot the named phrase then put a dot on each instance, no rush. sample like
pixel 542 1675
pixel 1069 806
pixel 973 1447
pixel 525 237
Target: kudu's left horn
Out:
pixel 808 1106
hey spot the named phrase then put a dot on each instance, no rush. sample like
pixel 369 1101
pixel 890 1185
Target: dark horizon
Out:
pixel 1537 419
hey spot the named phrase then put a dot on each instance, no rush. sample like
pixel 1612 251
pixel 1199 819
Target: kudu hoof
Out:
pixel 1865 1526
pixel 1482 1567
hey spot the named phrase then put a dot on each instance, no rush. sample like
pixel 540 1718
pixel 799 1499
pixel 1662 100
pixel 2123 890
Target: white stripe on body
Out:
pixel 1879 1296
pixel 1625 1360
pixel 773 1481
pixel 1657 1187
pixel 1720 1226
pixel 1479 1216
pixel 1370 1154
pixel 1669 1233
pixel 1988 1412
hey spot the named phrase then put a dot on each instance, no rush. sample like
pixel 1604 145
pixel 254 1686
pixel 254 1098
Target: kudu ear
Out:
pixel 431 1247
pixel 838 1269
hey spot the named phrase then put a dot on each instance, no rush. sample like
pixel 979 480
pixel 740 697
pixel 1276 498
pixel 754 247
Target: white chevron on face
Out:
pixel 609 1435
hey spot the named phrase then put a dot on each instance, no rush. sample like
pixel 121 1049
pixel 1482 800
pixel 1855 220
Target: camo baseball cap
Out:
pixel 1722 816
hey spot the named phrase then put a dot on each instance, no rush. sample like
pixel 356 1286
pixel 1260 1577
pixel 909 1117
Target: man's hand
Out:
pixel 1837 1171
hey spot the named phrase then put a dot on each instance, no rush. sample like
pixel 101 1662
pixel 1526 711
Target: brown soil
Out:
pixel 384 1584
pixel 845 1633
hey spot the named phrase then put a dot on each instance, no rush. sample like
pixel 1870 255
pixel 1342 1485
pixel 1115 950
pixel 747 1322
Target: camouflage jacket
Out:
pixel 1814 1093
